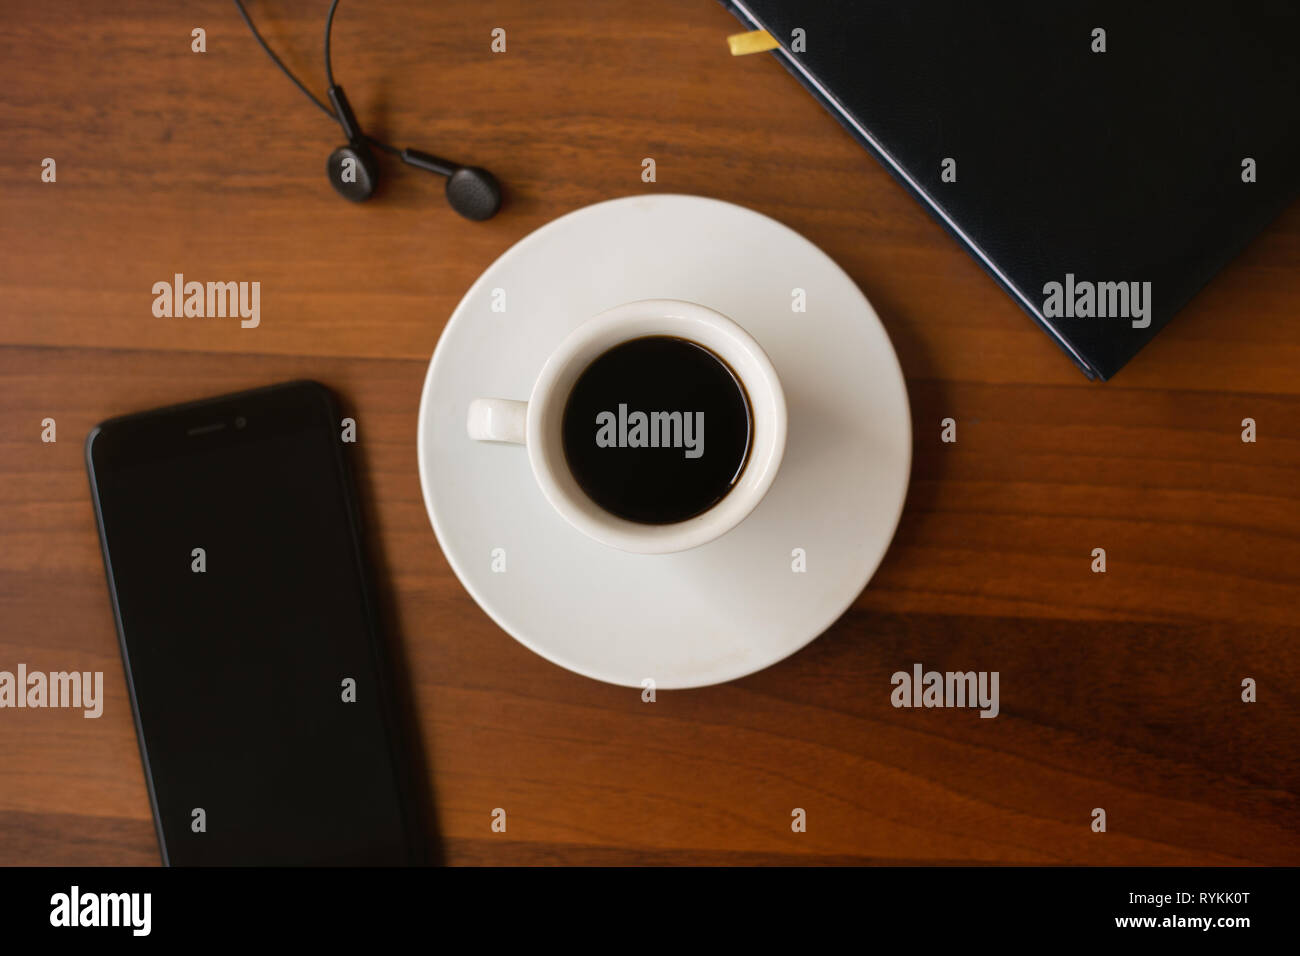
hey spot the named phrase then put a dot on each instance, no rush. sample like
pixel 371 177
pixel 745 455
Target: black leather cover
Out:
pixel 1117 166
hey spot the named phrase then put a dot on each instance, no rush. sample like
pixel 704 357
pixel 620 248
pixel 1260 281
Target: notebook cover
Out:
pixel 1099 172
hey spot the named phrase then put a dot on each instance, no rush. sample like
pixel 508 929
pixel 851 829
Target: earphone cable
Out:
pixel 329 70
pixel 276 60
pixel 329 26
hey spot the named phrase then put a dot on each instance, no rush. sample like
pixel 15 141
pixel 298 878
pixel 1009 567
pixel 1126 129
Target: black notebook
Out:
pixel 1101 161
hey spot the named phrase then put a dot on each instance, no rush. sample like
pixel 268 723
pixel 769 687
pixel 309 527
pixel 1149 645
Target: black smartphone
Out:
pixel 246 616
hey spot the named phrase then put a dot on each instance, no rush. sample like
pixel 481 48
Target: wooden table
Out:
pixel 1119 690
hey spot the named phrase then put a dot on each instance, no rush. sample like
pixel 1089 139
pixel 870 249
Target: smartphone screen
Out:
pixel 231 540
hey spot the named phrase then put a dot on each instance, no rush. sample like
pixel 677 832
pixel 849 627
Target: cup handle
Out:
pixel 497 419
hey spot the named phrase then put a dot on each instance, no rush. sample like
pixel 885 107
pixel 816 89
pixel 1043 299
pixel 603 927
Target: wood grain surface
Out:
pixel 1119 690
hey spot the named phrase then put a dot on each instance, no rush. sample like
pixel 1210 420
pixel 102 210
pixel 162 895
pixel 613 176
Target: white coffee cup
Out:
pixel 537 423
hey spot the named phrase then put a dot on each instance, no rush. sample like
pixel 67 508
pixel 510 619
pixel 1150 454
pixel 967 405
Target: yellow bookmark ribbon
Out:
pixel 755 41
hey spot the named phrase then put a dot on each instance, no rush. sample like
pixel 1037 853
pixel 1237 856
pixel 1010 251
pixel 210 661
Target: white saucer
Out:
pixel 730 607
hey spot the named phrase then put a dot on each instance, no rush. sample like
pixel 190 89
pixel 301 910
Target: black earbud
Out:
pixel 353 172
pixel 352 169
pixel 471 190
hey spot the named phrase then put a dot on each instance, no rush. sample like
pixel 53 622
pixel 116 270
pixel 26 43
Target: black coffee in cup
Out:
pixel 657 429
